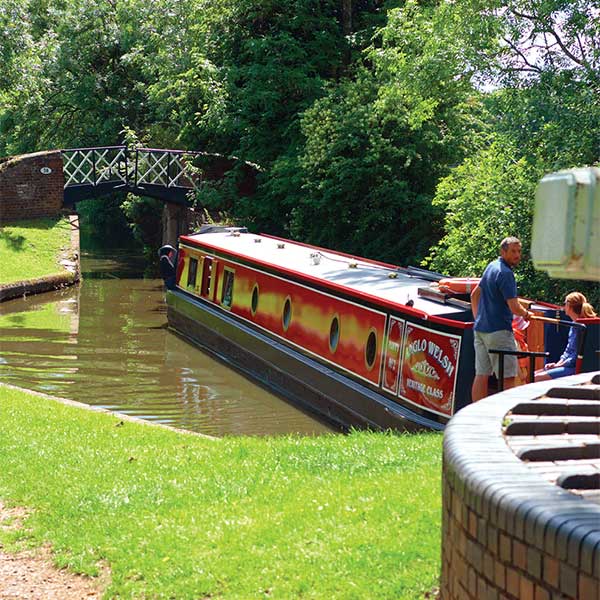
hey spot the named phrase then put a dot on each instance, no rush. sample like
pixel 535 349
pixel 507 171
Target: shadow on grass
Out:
pixel 16 241
pixel 43 223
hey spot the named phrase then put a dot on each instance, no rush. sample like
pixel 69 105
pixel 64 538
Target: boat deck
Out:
pixel 393 284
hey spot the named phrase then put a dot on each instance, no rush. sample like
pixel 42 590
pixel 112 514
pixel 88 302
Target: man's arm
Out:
pixel 475 294
pixel 517 309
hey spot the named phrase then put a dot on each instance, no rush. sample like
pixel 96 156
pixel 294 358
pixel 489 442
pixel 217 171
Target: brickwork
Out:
pixel 27 191
pixel 507 534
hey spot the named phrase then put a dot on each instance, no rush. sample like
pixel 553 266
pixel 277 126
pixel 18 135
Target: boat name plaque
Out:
pixel 428 370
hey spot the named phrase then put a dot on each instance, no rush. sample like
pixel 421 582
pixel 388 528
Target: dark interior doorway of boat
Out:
pixel 105 343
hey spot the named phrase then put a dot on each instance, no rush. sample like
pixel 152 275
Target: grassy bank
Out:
pixel 31 249
pixel 181 516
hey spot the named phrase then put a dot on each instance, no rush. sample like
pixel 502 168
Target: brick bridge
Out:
pixel 47 183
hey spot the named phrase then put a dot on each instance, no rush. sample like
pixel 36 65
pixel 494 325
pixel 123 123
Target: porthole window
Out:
pixel 334 334
pixel 254 305
pixel 286 316
pixel 371 349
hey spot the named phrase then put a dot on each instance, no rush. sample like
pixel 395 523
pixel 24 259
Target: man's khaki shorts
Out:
pixel 487 363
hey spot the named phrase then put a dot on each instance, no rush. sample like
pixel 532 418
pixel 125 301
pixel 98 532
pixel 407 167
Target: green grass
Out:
pixel 181 516
pixel 31 249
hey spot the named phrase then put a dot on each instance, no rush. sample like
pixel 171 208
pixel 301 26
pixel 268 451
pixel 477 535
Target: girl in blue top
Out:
pixel 576 307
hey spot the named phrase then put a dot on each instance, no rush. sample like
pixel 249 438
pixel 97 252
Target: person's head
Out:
pixel 577 304
pixel 167 250
pixel 510 250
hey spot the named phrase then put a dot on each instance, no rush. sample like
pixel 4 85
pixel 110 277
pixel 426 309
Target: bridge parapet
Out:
pixel 169 168
pixel 93 166
pixel 44 183
pixel 31 186
pixel 165 174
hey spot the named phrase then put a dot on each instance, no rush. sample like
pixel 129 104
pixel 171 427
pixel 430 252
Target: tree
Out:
pixel 518 41
pixel 84 69
pixel 554 122
pixel 542 61
pixel 365 182
pixel 488 197
pixel 377 144
pixel 274 59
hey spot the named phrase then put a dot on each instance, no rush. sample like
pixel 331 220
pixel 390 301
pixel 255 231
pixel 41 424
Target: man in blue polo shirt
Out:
pixel 494 302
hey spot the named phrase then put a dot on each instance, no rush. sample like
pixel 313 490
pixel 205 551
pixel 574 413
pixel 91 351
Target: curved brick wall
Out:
pixel 508 531
pixel 26 192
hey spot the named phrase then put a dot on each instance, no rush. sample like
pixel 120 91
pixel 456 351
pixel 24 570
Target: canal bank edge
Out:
pixel 106 411
pixel 71 274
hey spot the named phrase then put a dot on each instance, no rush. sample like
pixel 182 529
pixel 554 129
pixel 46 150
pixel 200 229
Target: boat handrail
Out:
pixel 424 273
pixel 519 354
pixel 368 261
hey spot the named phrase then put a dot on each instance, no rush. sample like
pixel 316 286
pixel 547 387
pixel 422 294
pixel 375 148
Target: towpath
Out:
pixel 30 574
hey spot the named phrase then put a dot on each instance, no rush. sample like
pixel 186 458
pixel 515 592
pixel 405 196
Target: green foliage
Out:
pixel 187 104
pixel 76 96
pixel 488 197
pixel 353 111
pixel 220 196
pixel 144 217
pixel 274 58
pixel 364 177
pixel 517 42
pixel 554 123
pixel 103 223
pixel 182 516
pixel 376 145
pixel 542 116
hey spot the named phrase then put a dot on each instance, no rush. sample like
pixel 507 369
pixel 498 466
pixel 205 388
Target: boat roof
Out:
pixel 381 281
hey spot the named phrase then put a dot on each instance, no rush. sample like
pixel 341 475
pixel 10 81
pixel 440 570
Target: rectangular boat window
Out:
pixel 206 272
pixel 192 270
pixel 227 293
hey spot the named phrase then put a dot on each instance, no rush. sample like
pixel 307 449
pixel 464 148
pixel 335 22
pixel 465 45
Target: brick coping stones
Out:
pixel 509 530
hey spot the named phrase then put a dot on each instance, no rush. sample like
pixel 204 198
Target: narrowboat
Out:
pixel 359 342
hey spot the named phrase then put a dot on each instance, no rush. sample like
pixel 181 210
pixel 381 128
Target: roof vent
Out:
pixel 221 229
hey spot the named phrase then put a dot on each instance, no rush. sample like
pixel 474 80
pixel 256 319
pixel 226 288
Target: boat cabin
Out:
pixel 359 341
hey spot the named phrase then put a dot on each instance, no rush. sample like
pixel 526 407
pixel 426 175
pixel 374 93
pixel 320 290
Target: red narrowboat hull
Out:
pixel 360 343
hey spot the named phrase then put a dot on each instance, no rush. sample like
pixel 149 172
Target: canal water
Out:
pixel 105 343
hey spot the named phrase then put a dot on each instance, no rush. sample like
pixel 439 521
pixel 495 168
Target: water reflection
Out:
pixel 105 343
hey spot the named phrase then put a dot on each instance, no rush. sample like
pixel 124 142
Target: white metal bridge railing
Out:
pixel 128 168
